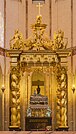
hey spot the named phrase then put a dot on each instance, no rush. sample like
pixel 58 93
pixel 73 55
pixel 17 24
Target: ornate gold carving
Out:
pixel 61 95
pixel 40 61
pixel 15 96
pixel 39 39
pixel 17 41
pixel 59 40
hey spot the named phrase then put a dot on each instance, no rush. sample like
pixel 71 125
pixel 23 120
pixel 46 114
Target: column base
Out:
pixel 63 128
pixel 14 128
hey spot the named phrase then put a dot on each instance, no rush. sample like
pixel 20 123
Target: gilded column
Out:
pixel 15 95
pixel 29 87
pixel 62 99
pixel 47 85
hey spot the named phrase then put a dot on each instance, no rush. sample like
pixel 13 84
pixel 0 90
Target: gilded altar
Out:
pixel 43 59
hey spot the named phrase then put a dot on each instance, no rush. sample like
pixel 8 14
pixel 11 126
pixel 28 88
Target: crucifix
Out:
pixel 39 6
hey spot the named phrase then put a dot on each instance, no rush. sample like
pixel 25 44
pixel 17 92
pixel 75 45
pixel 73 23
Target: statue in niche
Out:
pixel 38 90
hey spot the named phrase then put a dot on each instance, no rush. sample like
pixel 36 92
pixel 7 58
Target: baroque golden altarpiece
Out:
pixel 38 59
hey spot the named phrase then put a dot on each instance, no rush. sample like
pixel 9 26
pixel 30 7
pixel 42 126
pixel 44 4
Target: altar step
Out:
pixel 37 132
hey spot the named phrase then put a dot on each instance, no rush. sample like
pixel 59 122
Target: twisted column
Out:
pixel 62 97
pixel 15 97
pixel 63 105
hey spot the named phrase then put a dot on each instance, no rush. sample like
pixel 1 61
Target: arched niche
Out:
pixel 38 79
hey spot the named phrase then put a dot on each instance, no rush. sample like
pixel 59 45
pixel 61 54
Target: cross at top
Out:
pixel 39 6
